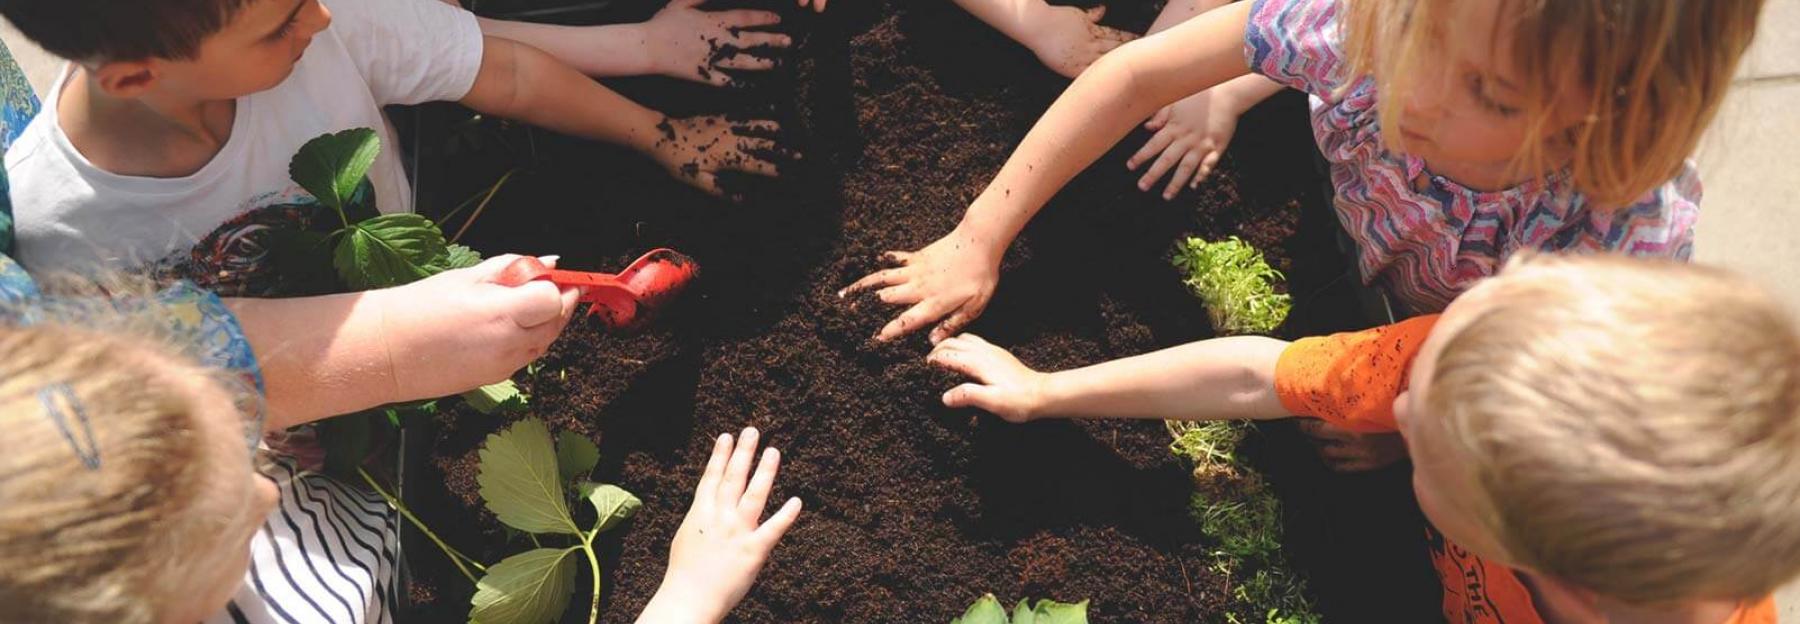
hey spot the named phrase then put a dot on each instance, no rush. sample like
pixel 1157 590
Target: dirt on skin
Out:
pixel 903 111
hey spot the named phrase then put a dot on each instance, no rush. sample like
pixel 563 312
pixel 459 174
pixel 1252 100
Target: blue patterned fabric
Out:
pixel 18 104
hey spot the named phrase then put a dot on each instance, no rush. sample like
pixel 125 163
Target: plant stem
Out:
pixel 492 190
pixel 456 557
pixel 587 546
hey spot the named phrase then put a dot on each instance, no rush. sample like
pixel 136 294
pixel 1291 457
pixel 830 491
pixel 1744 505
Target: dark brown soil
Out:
pixel 903 110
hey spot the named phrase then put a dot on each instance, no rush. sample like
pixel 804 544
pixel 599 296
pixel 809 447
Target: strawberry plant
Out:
pixel 987 610
pixel 525 481
pixel 1236 284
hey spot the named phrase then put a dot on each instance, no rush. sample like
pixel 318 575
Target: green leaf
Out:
pixel 613 503
pixel 987 610
pixel 496 398
pixel 331 166
pixel 389 250
pixel 518 480
pixel 460 257
pixel 576 456
pixel 1052 612
pixel 531 587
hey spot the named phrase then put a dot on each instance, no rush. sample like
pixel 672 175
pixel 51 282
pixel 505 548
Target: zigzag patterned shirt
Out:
pixel 1422 237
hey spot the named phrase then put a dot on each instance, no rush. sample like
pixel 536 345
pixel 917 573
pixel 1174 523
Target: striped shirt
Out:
pixel 1422 237
pixel 326 554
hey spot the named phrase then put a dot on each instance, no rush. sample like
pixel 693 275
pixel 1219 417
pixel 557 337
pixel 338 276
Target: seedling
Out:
pixel 987 610
pixel 528 483
pixel 1235 282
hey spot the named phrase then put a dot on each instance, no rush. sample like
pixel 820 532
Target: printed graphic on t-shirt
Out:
pixel 251 254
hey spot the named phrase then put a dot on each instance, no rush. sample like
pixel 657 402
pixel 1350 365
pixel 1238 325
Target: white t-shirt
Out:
pixel 73 216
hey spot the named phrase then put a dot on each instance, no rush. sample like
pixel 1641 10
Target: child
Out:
pixel 167 141
pixel 1489 128
pixel 1596 437
pixel 1066 39
pixel 128 493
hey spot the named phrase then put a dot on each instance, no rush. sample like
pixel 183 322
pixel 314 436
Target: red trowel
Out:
pixel 621 301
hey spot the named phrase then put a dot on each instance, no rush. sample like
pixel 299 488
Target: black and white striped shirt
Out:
pixel 326 554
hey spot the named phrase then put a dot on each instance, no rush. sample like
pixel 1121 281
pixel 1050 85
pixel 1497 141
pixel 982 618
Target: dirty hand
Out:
pixel 696 149
pixel 462 329
pixel 1069 39
pixel 954 276
pixel 1003 386
pixel 721 546
pixel 697 45
pixel 1348 451
pixel 1191 135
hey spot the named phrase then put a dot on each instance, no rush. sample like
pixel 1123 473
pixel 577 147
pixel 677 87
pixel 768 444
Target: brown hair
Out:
pixel 1633 426
pixel 120 30
pixel 1654 71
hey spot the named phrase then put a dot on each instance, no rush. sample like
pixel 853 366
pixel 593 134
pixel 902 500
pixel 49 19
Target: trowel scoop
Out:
pixel 624 300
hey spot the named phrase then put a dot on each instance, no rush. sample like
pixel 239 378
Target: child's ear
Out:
pixel 126 79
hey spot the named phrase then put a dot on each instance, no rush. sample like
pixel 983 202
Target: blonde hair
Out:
pixel 1631 426
pixel 112 542
pixel 1654 73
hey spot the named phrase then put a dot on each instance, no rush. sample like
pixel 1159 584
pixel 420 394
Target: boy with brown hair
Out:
pixel 1595 438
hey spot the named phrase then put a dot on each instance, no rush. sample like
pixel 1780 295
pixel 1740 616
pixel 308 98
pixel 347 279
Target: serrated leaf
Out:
pixel 576 456
pixel 531 587
pixel 389 250
pixel 460 257
pixel 496 398
pixel 613 504
pixel 331 166
pixel 518 480
pixel 1052 612
pixel 987 610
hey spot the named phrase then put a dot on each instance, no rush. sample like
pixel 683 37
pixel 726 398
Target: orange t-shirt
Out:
pixel 1352 379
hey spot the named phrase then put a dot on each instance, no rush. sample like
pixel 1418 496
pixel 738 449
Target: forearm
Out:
pixel 1220 379
pixel 320 356
pixel 1245 92
pixel 1109 99
pixel 665 608
pixel 601 51
pixel 520 82
pixel 1178 11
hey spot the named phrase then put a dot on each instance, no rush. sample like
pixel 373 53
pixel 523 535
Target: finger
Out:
pixel 878 279
pixel 957 362
pixel 1206 166
pixel 902 257
pixel 686 4
pixel 1157 144
pixel 752 164
pixel 756 144
pixel 761 127
pixel 821 9
pixel 571 297
pixel 708 490
pixel 1160 119
pixel 757 495
pixel 533 303
pixel 921 314
pixel 747 18
pixel 745 62
pixel 972 395
pixel 1116 36
pixel 755 38
pixel 958 319
pixel 737 469
pixel 1163 164
pixel 777 525
pixel 1094 14
pixel 902 294
pixel 494 270
pixel 1183 171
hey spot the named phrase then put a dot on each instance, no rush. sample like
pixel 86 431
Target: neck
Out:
pixel 1563 603
pixel 1707 612
pixel 153 135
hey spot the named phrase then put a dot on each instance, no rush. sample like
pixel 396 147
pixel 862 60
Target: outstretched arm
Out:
pixel 1220 379
pixel 680 41
pixel 1066 39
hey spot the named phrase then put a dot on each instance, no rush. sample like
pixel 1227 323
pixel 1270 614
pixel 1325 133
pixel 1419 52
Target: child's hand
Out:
pixel 1068 39
pixel 1003 385
pixel 953 276
pixel 720 548
pixel 1191 135
pixel 462 329
pixel 696 149
pixel 1348 451
pixel 818 6
pixel 697 45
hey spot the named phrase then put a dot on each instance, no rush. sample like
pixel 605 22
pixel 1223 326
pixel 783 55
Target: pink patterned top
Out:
pixel 1423 237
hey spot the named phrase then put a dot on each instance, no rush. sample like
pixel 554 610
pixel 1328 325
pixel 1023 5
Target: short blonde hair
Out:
pixel 1632 426
pixel 1655 72
pixel 113 542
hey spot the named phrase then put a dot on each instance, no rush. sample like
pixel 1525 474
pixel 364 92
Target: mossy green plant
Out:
pixel 1235 282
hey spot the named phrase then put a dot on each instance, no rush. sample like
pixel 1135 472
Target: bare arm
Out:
pixel 320 356
pixel 681 41
pixel 600 51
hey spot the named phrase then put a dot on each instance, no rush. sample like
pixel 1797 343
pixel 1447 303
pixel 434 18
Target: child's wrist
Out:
pixel 672 606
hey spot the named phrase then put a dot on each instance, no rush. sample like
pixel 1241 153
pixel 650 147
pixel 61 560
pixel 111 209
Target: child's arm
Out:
pixel 521 82
pixel 680 41
pixel 1066 39
pixel 449 333
pixel 723 542
pixel 1220 379
pixel 955 275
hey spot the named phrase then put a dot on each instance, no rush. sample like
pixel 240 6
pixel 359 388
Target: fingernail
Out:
pixel 549 259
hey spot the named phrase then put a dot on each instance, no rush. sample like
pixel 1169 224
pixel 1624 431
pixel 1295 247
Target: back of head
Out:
pixel 1633 426
pixel 1653 72
pixel 120 30
pixel 98 471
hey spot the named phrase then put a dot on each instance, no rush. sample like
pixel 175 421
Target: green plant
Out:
pixel 523 478
pixel 1235 282
pixel 987 610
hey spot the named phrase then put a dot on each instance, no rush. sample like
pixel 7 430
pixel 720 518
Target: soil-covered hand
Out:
pixel 1190 137
pixel 1003 385
pixel 696 149
pixel 462 329
pixel 722 545
pixel 954 276
pixel 1069 39
pixel 697 45
pixel 1348 451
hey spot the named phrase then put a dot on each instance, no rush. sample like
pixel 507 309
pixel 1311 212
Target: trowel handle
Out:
pixel 528 268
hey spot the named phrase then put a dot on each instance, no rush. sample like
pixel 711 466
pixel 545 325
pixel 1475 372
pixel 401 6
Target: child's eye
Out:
pixel 1478 88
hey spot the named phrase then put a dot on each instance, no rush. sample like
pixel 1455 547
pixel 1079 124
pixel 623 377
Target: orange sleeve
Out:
pixel 1351 379
pixel 1761 612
